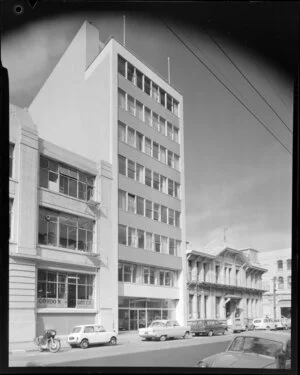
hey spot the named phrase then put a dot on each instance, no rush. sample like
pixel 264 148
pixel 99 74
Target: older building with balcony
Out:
pixel 54 246
pixel 224 282
pixel 278 277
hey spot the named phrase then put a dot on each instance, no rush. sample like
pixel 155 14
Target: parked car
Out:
pixel 254 350
pixel 90 334
pixel 207 327
pixel 288 322
pixel 279 324
pixel 236 325
pixel 263 323
pixel 249 324
pixel 164 329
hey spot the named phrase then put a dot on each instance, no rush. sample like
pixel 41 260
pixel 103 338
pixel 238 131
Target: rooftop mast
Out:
pixel 124 24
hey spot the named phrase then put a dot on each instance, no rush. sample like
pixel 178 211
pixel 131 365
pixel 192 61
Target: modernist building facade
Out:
pixel 224 283
pixel 279 276
pixel 106 189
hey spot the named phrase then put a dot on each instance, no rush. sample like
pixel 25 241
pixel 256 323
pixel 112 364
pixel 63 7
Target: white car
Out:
pixel 164 329
pixel 263 323
pixel 280 324
pixel 90 334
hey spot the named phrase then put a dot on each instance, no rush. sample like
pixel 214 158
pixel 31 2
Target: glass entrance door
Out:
pixel 71 295
pixel 142 319
pixel 133 320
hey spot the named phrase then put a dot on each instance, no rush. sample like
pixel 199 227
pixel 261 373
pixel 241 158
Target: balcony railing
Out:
pixel 195 280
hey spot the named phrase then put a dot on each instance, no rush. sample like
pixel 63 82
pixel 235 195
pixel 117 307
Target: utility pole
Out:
pixel 124 30
pixel 274 296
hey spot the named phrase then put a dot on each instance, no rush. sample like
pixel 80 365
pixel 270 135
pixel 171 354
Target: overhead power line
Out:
pixel 246 78
pixel 223 84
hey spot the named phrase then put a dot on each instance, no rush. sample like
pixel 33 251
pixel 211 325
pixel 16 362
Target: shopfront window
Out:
pixel 65 290
pixel 141 312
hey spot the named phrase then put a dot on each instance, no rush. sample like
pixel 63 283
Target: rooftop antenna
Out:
pixel 124 24
pixel 169 73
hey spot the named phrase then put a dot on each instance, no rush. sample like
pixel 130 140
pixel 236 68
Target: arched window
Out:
pixel 279 265
pixel 280 282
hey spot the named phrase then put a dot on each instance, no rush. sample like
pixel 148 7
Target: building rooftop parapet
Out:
pixel 112 38
pixel 248 262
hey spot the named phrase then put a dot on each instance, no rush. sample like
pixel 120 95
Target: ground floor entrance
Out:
pixel 285 312
pixel 139 313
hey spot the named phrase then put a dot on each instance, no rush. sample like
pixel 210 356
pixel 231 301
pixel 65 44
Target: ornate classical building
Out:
pixel 224 282
pixel 279 276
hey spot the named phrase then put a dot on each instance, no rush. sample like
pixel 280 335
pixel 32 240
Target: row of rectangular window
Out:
pixel 11 159
pixel 150 118
pixel 65 230
pixel 145 176
pixel 280 282
pixel 11 203
pixel 144 83
pixel 132 273
pixel 288 264
pixel 141 206
pixel 144 144
pixel 148 241
pixel 65 179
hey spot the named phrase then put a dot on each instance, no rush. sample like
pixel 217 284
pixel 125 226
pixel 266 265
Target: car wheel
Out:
pixel 210 333
pixel 84 344
pixel 113 341
pixel 163 338
pixel 186 335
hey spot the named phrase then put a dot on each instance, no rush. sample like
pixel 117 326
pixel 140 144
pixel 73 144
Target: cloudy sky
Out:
pixel 238 175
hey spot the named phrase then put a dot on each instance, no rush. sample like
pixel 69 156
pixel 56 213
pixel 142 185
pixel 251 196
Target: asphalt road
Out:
pixel 185 356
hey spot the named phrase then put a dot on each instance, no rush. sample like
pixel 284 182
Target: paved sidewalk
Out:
pixel 123 338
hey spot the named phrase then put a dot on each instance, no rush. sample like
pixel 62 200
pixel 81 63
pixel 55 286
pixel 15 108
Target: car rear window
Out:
pixel 157 324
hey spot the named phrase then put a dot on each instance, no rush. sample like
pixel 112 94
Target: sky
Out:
pixel 238 175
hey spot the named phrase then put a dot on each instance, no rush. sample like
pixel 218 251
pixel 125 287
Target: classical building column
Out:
pixel 194 306
pixel 202 307
pixel 201 271
pixel 194 269
pixel 222 308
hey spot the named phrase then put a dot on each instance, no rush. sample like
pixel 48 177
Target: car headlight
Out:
pixel 202 364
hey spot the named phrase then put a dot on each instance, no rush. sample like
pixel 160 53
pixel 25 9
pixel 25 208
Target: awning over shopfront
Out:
pixel 229 297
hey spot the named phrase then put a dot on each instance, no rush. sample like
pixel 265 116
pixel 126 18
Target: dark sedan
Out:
pixel 207 327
